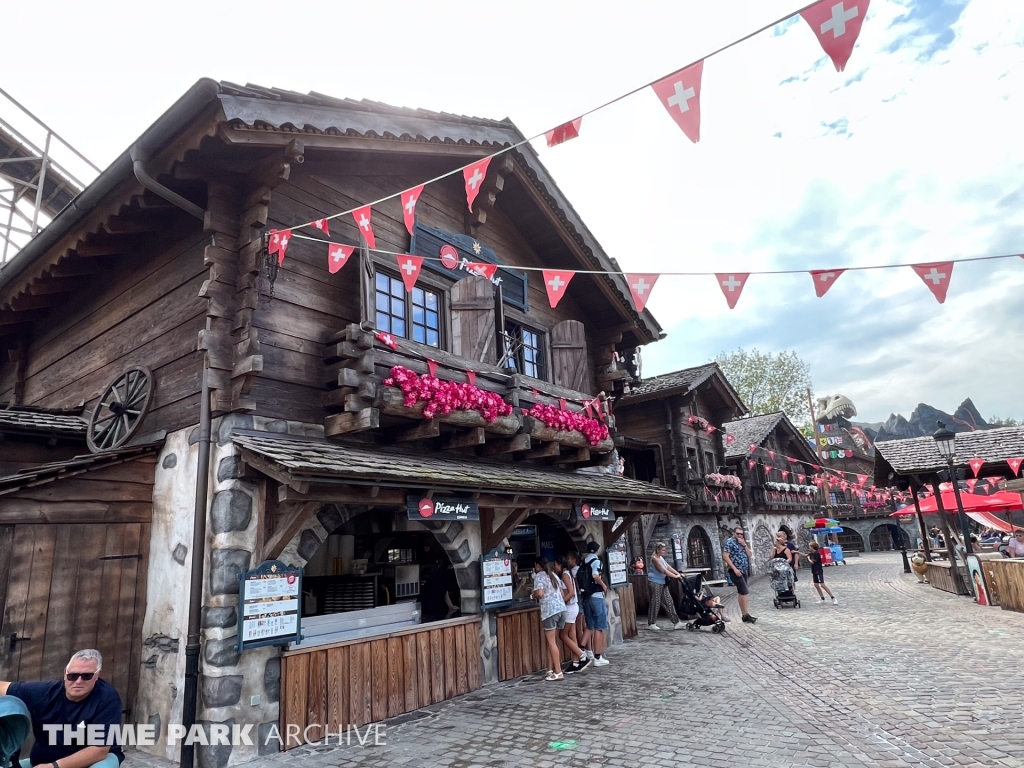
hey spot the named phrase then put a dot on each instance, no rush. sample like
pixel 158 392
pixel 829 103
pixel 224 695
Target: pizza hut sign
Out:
pixel 421 508
pixel 588 511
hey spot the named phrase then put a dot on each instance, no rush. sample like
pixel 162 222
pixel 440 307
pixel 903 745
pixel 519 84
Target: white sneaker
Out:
pixel 679 625
pixel 819 602
pixel 834 601
pixel 590 654
pixel 653 626
pixel 602 662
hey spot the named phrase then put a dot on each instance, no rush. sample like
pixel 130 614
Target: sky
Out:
pixel 913 154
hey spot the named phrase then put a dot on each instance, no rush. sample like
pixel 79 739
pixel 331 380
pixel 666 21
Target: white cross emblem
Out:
pixel 681 97
pixel 935 276
pixel 826 276
pixel 409 268
pixel 411 205
pixel 556 283
pixel 338 255
pixel 732 283
pixel 475 179
pixel 284 241
pixel 837 24
pixel 640 286
pixel 364 223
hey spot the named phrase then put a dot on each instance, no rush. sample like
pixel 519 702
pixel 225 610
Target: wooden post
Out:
pixel 920 522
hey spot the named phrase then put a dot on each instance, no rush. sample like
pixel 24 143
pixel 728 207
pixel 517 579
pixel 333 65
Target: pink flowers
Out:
pixel 443 397
pixel 723 481
pixel 569 421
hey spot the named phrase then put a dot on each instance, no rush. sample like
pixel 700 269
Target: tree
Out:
pixel 996 421
pixel 769 382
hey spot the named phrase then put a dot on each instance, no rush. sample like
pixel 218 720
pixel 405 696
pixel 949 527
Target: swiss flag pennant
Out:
pixel 730 439
pixel 971 483
pixel 861 479
pixel 640 287
pixel 321 224
pixel 1015 465
pixel 772 455
pixel 363 216
pixel 785 474
pixel 732 286
pixel 564 132
pixel 410 267
pixel 824 279
pixel 751 463
pixel 386 339
pixel 976 465
pixel 802 479
pixel 791 460
pixel 936 277
pixel 556 282
pixel 561 404
pixel 337 255
pixel 711 428
pixel 471 376
pixel 273 241
pixel 278 243
pixel 752 448
pixel 836 24
pixel 475 175
pixel 432 367
pixel 482 269
pixel 409 200
pixel 680 95
pixel 588 409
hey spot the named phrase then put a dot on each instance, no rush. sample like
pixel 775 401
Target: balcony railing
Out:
pixel 715 497
pixel 797 502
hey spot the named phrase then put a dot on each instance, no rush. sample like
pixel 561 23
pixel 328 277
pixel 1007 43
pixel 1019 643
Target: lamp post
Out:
pixel 945 440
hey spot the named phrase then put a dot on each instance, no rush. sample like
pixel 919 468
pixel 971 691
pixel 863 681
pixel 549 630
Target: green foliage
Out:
pixel 769 382
pixel 997 421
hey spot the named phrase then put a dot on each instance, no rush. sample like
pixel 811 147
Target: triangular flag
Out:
pixel 1015 465
pixel 785 474
pixel 273 241
pixel 588 409
pixel 555 282
pixel 363 216
pixel 732 286
pixel 475 175
pixel 640 287
pixel 471 375
pixel 386 339
pixel 337 255
pixel 321 224
pixel 752 448
pixel 561 404
pixel 410 267
pixel 971 483
pixel 432 367
pixel 482 269
pixel 278 243
pixel 751 463
pixel 772 455
pixel 802 479
pixel 711 428
pixel 861 479
pixel 936 277
pixel 730 439
pixel 791 460
pixel 836 24
pixel 564 132
pixel 409 200
pixel 824 279
pixel 976 465
pixel 680 95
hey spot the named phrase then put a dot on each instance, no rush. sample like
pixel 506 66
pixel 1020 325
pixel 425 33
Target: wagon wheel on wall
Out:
pixel 121 410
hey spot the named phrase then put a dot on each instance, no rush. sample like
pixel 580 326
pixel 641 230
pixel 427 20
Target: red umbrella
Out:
pixel 996 502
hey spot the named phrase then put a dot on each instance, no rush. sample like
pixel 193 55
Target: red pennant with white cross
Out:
pixel 730 439
pixel 475 175
pixel 409 200
pixel 432 367
pixel 785 474
pixel 555 283
pixel 410 267
pixel 640 287
pixel 363 218
pixel 680 95
pixel 337 256
pixel 284 237
pixel 732 286
pixel 471 377
pixel 801 479
pixel 824 279
pixel 971 483
pixel 1015 465
pixel 771 454
pixel 751 463
pixel 321 224
pixel 861 479
pixel 836 24
pixel 936 277
pixel 976 465
pixel 482 269
pixel 564 132
pixel 386 339
pixel 273 241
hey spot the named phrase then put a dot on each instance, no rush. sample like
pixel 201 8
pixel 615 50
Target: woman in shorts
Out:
pixel 552 612
pixel 572 611
pixel 818 574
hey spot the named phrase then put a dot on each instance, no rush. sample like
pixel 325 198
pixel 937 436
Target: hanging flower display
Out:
pixel 569 421
pixel 443 397
pixel 804 490
pixel 723 481
pixel 697 422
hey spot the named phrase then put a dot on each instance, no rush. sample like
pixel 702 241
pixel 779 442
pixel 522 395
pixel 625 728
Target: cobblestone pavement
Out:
pixel 896 675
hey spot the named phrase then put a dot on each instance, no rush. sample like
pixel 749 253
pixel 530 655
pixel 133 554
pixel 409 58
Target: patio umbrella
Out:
pixel 996 502
pixel 821 523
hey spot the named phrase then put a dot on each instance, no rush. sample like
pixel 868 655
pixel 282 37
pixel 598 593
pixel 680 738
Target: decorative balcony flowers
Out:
pixel 443 397
pixel 697 422
pixel 723 481
pixel 803 490
pixel 549 416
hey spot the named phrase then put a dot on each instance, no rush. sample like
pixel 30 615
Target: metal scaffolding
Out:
pixel 34 185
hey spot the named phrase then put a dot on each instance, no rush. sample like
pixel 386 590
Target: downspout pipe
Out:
pixel 138 158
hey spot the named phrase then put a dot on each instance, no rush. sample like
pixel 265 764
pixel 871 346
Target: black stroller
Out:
pixel 695 603
pixel 783 581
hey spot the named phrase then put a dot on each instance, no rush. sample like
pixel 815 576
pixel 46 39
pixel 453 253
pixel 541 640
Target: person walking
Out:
pixel 818 573
pixel 592 590
pixel 572 609
pixel 552 613
pixel 660 597
pixel 737 556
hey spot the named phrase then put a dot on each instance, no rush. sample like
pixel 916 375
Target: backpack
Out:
pixel 585 584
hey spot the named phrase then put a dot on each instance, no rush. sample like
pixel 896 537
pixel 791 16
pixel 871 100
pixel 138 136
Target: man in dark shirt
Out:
pixel 86 705
pixel 436 595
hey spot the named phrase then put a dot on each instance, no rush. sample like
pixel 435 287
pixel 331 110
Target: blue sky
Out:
pixel 912 154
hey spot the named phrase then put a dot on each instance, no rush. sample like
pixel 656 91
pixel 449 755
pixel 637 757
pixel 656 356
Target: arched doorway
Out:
pixel 887 537
pixel 850 540
pixel 764 542
pixel 699 553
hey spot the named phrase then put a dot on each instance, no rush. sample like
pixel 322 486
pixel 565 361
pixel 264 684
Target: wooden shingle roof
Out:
pixel 920 455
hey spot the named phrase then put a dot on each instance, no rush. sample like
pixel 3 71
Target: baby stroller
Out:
pixel 783 580
pixel 695 603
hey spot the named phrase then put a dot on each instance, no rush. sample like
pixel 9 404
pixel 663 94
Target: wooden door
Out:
pixel 473 319
pixel 73 586
pixel 569 356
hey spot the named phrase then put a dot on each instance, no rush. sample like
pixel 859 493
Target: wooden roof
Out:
pixel 755 430
pixel 41 422
pixel 683 382
pixel 59 470
pixel 920 455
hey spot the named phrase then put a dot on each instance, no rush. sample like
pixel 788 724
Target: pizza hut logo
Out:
pixel 585 511
pixel 426 508
pixel 291 578
pixel 506 562
pixel 449 256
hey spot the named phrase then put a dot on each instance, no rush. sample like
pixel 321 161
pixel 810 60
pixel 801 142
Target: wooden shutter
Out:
pixel 367 286
pixel 569 356
pixel 473 319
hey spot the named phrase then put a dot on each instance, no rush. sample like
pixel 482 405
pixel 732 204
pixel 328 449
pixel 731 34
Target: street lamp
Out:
pixel 945 440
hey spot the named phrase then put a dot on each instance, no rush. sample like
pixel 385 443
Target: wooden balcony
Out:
pixel 786 502
pixel 721 499
pixel 358 402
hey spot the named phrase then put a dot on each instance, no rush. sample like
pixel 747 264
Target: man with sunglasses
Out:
pixel 81 701
pixel 1016 546
pixel 736 554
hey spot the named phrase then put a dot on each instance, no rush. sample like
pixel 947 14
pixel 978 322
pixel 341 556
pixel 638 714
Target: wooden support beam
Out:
pixel 578 456
pixel 544 452
pixel 423 431
pixel 514 444
pixel 490 539
pixel 466 439
pixel 27 301
pixel 291 518
pixel 610 536
pixel 344 423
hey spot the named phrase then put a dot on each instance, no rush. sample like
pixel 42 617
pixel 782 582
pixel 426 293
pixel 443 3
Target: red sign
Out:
pixel 585 511
pixel 449 256
pixel 426 508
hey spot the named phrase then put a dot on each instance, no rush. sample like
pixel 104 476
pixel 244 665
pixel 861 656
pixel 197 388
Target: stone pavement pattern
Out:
pixel 897 675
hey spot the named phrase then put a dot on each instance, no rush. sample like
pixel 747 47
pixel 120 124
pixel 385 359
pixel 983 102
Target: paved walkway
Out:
pixel 897 675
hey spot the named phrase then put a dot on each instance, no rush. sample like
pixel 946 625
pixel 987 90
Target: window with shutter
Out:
pixel 472 302
pixel 570 367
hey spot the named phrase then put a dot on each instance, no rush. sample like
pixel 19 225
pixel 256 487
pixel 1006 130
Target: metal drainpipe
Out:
pixel 138 158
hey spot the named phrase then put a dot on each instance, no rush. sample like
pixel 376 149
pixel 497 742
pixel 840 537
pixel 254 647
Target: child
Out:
pixel 818 574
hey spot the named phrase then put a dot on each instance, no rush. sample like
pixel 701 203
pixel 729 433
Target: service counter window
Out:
pixel 538 536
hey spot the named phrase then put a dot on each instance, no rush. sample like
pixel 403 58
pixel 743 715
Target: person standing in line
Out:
pixel 657 581
pixel 1016 545
pixel 572 610
pixel 592 590
pixel 573 559
pixel 818 573
pixel 737 556
pixel 552 612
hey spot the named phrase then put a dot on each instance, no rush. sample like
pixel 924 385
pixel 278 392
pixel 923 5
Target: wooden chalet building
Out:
pixel 151 299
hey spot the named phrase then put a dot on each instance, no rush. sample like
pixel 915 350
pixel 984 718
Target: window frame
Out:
pixel 543 348
pixel 433 286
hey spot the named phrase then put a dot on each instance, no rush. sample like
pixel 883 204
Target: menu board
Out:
pixel 677 551
pixel 270 605
pixel 496 574
pixel 617 564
